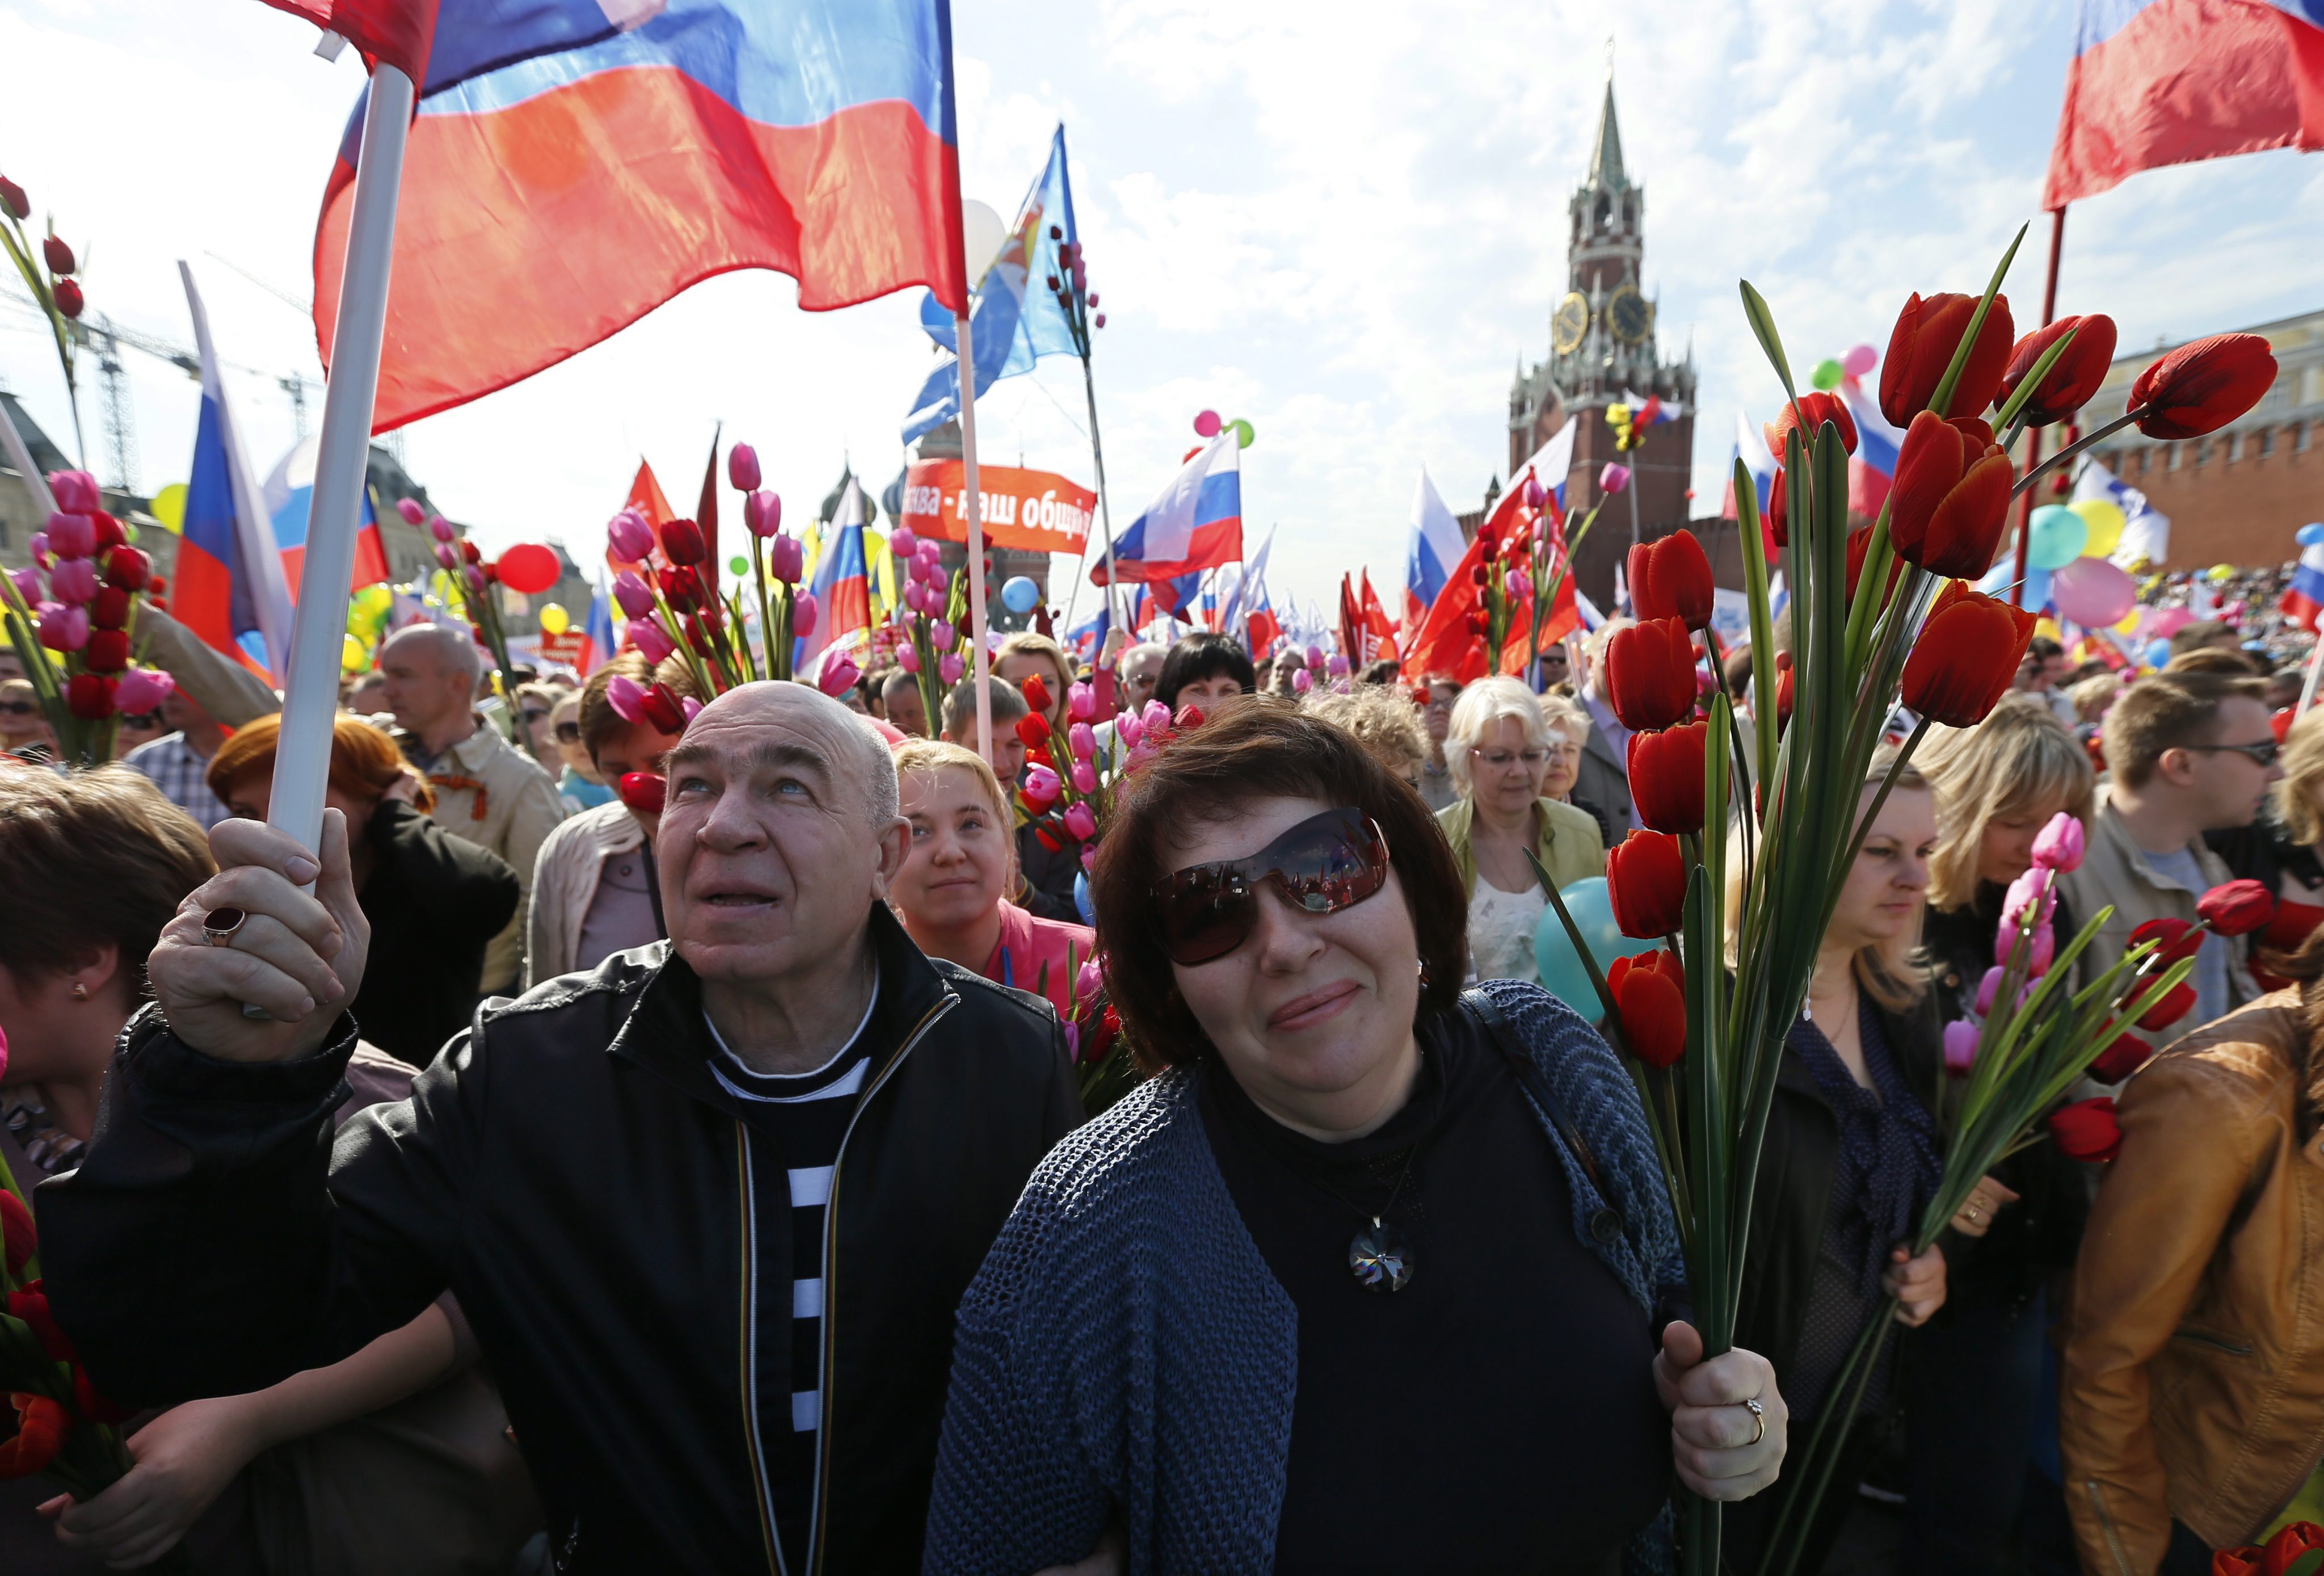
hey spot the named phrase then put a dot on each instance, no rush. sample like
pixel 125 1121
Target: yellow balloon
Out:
pixel 170 508
pixel 2104 520
pixel 554 619
pixel 2222 572
pixel 2129 623
pixel 354 655
pixel 374 600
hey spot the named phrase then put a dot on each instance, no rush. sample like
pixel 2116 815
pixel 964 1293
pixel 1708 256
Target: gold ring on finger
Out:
pixel 219 925
pixel 1758 1419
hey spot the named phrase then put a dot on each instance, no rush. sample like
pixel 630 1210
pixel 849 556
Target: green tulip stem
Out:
pixel 2074 449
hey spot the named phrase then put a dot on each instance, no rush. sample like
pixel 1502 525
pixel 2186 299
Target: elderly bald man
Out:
pixel 709 1208
pixel 486 791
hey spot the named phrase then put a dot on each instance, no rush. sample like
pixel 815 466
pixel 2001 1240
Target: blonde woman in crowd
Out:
pixel 1383 720
pixel 1569 729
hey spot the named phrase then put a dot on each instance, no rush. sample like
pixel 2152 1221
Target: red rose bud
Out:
pixel 93 1405
pixel 2072 380
pixel 1650 998
pixel 68 298
pixel 12 199
pixel 129 568
pixel 1670 578
pixel 1645 881
pixel 1966 654
pixel 43 1426
pixel 1811 412
pixel 2087 1130
pixel 1036 694
pixel 57 255
pixel 681 540
pixel 2169 1008
pixel 1034 729
pixel 2203 385
pixel 1665 772
pixel 2236 909
pixel 645 792
pixel 1928 331
pixel 108 653
pixel 663 712
pixel 18 1238
pixel 89 696
pixel 2119 1061
pixel 2178 938
pixel 1951 501
pixel 742 468
pixel 1650 674
pixel 2289 1546
pixel 110 610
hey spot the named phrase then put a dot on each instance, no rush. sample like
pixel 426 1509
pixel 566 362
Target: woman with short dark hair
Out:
pixel 1204 670
pixel 1369 1277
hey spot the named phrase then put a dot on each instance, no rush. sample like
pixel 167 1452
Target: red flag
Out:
pixel 1351 623
pixel 706 511
pixel 1260 631
pixel 399 31
pixel 1378 631
pixel 1444 643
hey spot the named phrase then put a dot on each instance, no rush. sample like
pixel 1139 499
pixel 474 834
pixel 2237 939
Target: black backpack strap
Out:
pixel 1607 1224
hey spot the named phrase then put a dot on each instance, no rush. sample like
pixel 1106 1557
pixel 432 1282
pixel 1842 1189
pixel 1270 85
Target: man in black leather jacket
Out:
pixel 710 1365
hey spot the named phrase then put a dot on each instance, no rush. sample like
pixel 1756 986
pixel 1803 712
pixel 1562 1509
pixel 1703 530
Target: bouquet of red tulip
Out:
pixel 1067 793
pixel 71 615
pixel 1524 571
pixel 50 282
pixel 2297 1550
pixel 1102 1064
pixel 1872 619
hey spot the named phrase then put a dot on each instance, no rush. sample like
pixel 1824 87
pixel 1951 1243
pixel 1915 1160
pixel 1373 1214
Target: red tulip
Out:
pixel 2203 385
pixel 2087 1130
pixel 129 568
pixel 2244 1561
pixel 42 1425
pixel 107 531
pixel 32 1306
pixel 2169 1008
pixel 1034 729
pixel 1951 501
pixel 14 200
pixel 1649 996
pixel 57 255
pixel 108 653
pixel 2286 1547
pixel 1966 654
pixel 2072 380
pixel 1665 772
pixel 110 610
pixel 1670 578
pixel 1645 881
pixel 2178 938
pixel 1860 546
pixel 681 540
pixel 2236 908
pixel 1778 516
pixel 1812 411
pixel 1650 674
pixel 19 1240
pixel 1928 331
pixel 1782 691
pixel 1036 694
pixel 645 792
pixel 681 587
pixel 2119 1061
pixel 68 298
pixel 470 553
pixel 89 696
pixel 663 712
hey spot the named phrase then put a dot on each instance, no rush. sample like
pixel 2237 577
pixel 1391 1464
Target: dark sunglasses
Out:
pixel 1326 863
pixel 142 720
pixel 2264 753
pixel 568 733
pixel 19 708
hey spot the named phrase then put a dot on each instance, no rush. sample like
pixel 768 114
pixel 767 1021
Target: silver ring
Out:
pixel 219 925
pixel 1759 1420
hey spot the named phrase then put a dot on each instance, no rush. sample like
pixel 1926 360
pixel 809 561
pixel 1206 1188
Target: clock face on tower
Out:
pixel 1569 323
pixel 1631 318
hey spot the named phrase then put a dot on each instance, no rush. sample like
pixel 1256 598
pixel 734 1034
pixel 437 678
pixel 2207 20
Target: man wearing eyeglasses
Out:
pixel 2186 754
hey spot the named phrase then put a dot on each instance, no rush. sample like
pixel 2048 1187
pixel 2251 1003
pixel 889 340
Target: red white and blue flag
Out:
pixel 575 164
pixel 1434 546
pixel 1872 468
pixel 286 498
pixel 1646 411
pixel 2303 599
pixel 842 584
pixel 2157 83
pixel 1195 524
pixel 229 587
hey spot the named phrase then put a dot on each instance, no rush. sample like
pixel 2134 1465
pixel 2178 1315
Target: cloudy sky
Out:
pixel 1342 221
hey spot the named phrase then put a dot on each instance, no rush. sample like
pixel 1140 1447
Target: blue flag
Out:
pixel 1017 319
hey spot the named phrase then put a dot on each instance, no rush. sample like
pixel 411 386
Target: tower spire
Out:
pixel 1606 158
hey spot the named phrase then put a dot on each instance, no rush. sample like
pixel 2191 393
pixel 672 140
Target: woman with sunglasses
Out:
pixel 579 786
pixel 1497 750
pixel 1369 1276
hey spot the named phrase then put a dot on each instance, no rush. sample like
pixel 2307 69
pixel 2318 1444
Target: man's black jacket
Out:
pixel 568 1167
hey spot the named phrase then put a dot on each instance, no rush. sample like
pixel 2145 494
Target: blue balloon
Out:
pixel 2310 535
pixel 2158 651
pixel 1561 971
pixel 1019 594
pixel 2058 537
pixel 1081 903
pixel 1998 580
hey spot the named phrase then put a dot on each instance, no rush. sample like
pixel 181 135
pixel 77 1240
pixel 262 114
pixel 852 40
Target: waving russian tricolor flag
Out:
pixel 1646 411
pixel 1195 524
pixel 2157 83
pixel 2303 599
pixel 575 164
pixel 842 587
pixel 229 587
pixel 1432 549
pixel 1872 468
pixel 286 495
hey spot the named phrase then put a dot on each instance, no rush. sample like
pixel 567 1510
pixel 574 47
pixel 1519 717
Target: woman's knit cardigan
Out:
pixel 1124 1345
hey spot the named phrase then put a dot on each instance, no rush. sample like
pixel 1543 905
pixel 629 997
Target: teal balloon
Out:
pixel 1019 594
pixel 2310 535
pixel 2058 536
pixel 1827 374
pixel 1082 904
pixel 1560 968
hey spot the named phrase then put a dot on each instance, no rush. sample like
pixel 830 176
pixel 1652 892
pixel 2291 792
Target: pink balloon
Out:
pixel 1859 360
pixel 2093 592
pixel 2167 622
pixel 1207 423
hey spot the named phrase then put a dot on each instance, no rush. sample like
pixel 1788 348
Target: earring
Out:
pixel 80 991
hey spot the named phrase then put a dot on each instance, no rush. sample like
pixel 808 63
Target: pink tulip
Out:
pixel 1614 477
pixel 474 576
pixel 1083 740
pixel 944 635
pixel 413 514
pixel 1128 728
pixel 1535 494
pixel 1302 681
pixel 28 584
pixel 1987 988
pixel 1515 584
pixel 2044 952
pixel 441 529
pixel 1084 777
pixel 949 667
pixel 1098 320
pixel 1315 656
pixel 653 641
pixel 635 596
pixel 74 579
pixel 1073 1043
pixel 786 560
pixel 1081 823
pixel 1336 665
pixel 1081 701
pixel 903 542
pixel 1088 981
pixel 908 657
pixel 447 556
pixel 627 696
pixel 1155 717
pixel 1089 855
pixel 1960 1047
pixel 839 675
pixel 2029 891
pixel 71 536
pixel 762 512
pixel 2060 845
pixel 75 492
pixel 39 548
pixel 690 706
pixel 1042 785
pixel 915 596
pixel 63 628
pixel 804 612
pixel 141 690
pixel 742 469
pixel 629 535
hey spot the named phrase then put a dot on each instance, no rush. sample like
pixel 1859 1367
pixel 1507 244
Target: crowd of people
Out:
pixel 663 1143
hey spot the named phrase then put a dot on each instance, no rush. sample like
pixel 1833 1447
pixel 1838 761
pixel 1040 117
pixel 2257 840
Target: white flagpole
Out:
pixel 975 503
pixel 311 695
